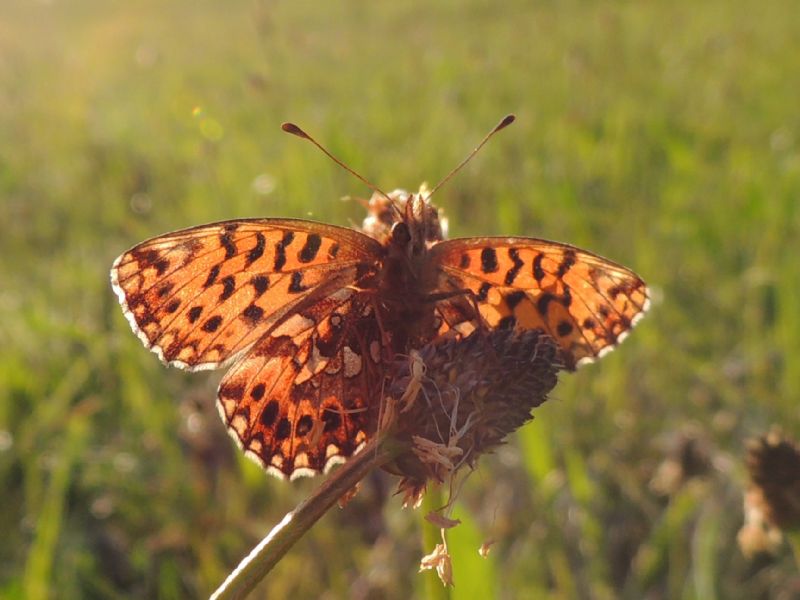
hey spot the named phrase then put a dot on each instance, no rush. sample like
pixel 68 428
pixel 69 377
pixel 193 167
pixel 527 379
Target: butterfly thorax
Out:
pixel 407 225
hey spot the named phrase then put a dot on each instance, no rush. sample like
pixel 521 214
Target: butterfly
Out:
pixel 309 316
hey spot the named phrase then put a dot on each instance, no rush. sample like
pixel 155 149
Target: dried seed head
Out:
pixel 468 395
pixel 773 462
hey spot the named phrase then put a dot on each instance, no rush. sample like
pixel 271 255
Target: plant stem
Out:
pixel 285 534
pixel 431 535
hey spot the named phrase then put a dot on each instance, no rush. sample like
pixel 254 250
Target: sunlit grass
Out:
pixel 663 135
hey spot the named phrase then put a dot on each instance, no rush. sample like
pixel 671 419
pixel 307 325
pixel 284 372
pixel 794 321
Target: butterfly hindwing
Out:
pixel 303 398
pixel 585 302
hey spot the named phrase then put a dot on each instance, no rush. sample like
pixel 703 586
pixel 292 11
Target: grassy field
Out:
pixel 664 135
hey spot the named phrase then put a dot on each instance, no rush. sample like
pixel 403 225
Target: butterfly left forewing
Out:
pixel 585 302
pixel 201 296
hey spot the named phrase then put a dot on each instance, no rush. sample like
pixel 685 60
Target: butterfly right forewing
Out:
pixel 585 302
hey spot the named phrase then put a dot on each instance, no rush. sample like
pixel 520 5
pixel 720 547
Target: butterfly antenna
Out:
pixel 505 122
pixel 295 130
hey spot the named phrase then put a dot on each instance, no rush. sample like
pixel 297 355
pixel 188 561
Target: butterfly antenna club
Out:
pixel 295 130
pixel 504 122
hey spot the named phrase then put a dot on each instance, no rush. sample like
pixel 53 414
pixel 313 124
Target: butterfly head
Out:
pixel 406 219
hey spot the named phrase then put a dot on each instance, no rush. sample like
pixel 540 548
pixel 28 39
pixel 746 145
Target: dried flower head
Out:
pixel 773 462
pixel 772 501
pixel 461 398
pixel 688 456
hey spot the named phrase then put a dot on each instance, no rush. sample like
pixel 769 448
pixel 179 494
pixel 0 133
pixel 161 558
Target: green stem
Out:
pixel 285 534
pixel 431 535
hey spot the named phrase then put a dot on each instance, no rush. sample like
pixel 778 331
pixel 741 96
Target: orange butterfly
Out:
pixel 309 315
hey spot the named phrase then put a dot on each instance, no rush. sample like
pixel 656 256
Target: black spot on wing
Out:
pixel 296 285
pixel 270 413
pixel 257 393
pixel 303 426
pixel 233 391
pixel 488 260
pixel 617 290
pixel 284 429
pixel 145 318
pixel 331 419
pixel 257 251
pixel 161 266
pixel 566 263
pixel 543 303
pixel 194 313
pixel 226 239
pixel 511 275
pixel 228 287
pixel 566 297
pixel 260 284
pixel 280 250
pixel 253 314
pixel 507 322
pixel 212 324
pixel 538 272
pixel 212 276
pixel 514 298
pixel 309 250
pixel 564 328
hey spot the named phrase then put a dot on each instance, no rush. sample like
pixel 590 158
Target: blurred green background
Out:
pixel 662 134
